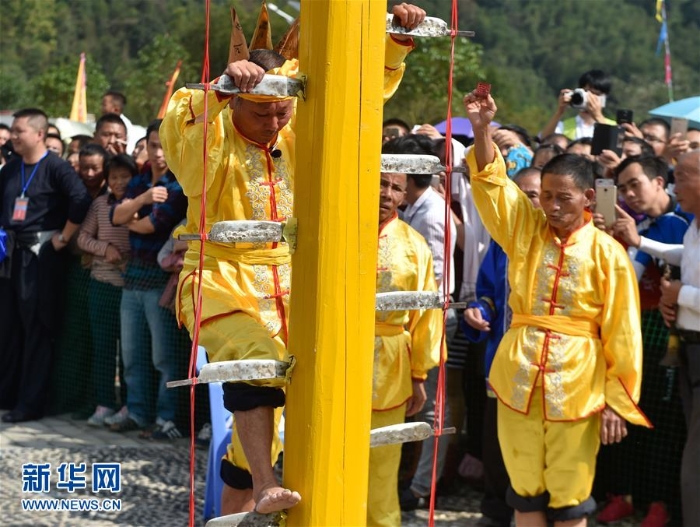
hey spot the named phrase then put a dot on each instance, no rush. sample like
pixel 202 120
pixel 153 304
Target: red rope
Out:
pixel 203 237
pixel 439 418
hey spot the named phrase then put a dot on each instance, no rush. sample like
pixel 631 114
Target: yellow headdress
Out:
pixel 262 37
pixel 237 48
pixel 288 46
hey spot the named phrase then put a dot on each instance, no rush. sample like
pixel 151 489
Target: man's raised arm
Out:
pixel 504 209
pixel 397 47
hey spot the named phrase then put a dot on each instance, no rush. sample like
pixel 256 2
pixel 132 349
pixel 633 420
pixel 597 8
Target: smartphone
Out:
pixel 679 126
pixel 606 199
pixel 606 137
pixel 625 116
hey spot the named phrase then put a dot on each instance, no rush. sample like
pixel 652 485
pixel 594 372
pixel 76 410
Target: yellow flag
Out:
pixel 659 10
pixel 78 111
pixel 169 92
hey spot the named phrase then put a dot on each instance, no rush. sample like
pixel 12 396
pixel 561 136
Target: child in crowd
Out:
pixel 109 246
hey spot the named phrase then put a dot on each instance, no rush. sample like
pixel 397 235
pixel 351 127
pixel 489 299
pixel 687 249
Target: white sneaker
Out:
pixel 98 418
pixel 204 436
pixel 118 418
pixel 167 430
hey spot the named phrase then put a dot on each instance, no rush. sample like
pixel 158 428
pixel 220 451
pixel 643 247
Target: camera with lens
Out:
pixel 579 99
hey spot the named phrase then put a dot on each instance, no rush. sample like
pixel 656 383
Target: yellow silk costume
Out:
pixel 406 343
pixel 574 344
pixel 576 326
pixel 244 182
pixel 245 287
pixel 406 346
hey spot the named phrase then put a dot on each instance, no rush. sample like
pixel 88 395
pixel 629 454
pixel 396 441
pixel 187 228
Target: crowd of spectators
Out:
pixel 89 266
pixel 641 165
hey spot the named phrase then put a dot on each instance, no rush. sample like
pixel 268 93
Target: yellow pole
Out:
pixel 334 269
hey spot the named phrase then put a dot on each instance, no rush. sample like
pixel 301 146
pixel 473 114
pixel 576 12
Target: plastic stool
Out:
pixel 221 420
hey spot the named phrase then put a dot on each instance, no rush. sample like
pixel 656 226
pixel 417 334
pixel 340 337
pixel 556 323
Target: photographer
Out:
pixel 593 89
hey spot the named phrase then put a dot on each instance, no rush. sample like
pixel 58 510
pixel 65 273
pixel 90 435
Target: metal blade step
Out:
pixel 414 164
pixel 249 519
pixel 430 27
pixel 238 370
pixel 274 85
pixel 412 300
pixel 242 231
pixel 403 433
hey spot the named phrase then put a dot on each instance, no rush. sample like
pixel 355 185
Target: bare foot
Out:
pixel 275 499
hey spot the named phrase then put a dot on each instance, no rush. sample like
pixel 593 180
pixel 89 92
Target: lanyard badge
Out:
pixel 19 213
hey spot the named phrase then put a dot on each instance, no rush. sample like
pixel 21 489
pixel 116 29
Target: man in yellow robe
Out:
pixel 568 371
pixel 245 287
pixel 406 345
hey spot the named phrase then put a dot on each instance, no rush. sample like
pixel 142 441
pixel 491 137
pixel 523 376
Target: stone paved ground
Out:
pixel 155 490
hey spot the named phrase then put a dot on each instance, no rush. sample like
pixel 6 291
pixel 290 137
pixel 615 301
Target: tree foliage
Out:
pixel 422 96
pixel 527 49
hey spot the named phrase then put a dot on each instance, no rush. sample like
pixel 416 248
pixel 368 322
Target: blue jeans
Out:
pixel 104 301
pixel 423 477
pixel 148 334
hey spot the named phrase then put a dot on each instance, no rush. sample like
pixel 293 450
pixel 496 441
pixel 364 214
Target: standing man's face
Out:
pixel 638 191
pixel 531 186
pixel 563 202
pixel 580 149
pixel 91 171
pixel 111 137
pixel 108 105
pixel 25 137
pixel 693 137
pixel 656 136
pixel 629 149
pixel 155 152
pixel 687 176
pixel 392 192
pixel 55 145
pixel 261 121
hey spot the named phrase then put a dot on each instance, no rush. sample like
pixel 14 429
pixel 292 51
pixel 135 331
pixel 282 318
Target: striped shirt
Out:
pixel 96 234
pixel 143 271
pixel 427 216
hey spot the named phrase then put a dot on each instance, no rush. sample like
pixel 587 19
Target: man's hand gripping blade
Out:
pixel 430 27
pixel 273 85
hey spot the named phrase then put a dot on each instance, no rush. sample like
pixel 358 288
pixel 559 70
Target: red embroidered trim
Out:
pixel 649 423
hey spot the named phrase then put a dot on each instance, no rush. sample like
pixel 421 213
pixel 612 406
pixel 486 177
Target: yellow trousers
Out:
pixel 383 496
pixel 557 457
pixel 240 337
